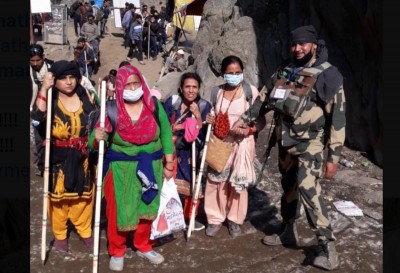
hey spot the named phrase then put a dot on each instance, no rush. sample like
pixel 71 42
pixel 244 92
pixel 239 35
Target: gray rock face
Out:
pixel 258 32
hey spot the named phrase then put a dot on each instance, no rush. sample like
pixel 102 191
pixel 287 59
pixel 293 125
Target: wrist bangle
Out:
pixel 42 98
pixel 251 131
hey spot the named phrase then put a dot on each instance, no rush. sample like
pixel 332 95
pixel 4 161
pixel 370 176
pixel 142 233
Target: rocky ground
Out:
pixel 359 239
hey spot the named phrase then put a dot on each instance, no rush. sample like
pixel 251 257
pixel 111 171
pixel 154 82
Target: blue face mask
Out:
pixel 133 95
pixel 233 80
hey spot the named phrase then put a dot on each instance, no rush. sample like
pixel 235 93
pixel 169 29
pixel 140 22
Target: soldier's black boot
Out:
pixel 327 257
pixel 287 237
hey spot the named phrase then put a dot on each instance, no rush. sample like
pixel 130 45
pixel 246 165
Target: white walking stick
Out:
pixel 87 73
pixel 198 184
pixel 99 181
pixel 46 172
pixel 193 169
pixel 193 165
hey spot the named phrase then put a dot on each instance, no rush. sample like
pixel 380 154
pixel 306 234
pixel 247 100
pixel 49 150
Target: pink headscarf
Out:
pixel 145 128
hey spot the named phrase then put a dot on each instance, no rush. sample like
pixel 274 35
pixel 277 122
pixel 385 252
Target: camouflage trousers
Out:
pixel 300 182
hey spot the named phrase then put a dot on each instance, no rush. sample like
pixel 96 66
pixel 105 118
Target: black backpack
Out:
pixel 202 103
pixel 73 8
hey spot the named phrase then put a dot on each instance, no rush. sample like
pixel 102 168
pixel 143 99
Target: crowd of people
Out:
pixel 148 139
pixel 145 31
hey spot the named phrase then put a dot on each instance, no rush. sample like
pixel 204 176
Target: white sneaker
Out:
pixel 116 263
pixel 152 256
pixel 142 63
pixel 128 59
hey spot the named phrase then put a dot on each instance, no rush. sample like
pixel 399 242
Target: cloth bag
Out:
pixel 218 153
pixel 170 213
pixel 185 187
pixel 191 129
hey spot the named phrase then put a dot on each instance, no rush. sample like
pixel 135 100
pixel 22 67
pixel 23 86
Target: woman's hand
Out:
pixel 168 168
pixel 194 109
pixel 168 174
pixel 240 132
pixel 240 128
pixel 48 81
pixel 99 133
pixel 210 118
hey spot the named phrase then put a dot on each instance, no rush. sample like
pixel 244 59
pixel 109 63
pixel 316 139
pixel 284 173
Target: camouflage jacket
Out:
pixel 322 121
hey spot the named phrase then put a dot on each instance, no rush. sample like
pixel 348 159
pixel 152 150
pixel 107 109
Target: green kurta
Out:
pixel 127 186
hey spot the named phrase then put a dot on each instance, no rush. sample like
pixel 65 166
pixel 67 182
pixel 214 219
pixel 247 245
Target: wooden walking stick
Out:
pixel 99 181
pixel 99 89
pixel 182 24
pixel 198 184
pixel 87 73
pixel 46 172
pixel 148 42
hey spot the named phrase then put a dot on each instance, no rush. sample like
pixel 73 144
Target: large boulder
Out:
pixel 258 32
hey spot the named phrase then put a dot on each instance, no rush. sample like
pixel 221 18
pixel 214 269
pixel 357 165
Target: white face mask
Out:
pixel 233 80
pixel 133 95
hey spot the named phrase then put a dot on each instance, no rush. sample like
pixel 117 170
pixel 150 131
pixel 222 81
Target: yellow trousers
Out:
pixel 79 211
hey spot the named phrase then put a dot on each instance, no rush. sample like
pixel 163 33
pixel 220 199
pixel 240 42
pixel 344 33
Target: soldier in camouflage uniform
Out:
pixel 308 100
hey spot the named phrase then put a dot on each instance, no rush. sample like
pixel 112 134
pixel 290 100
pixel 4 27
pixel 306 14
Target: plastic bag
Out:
pixel 170 213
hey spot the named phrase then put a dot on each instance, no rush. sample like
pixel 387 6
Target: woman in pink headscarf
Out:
pixel 133 167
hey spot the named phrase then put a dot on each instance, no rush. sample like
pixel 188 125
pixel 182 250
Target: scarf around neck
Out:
pixel 145 128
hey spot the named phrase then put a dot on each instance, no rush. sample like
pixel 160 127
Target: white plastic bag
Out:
pixel 170 213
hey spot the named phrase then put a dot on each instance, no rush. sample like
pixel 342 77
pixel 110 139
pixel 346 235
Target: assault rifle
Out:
pixel 271 144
